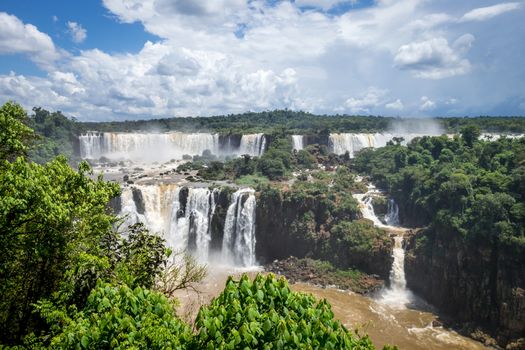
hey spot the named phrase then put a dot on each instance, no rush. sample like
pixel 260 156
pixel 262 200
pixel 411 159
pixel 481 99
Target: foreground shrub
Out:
pixel 117 317
pixel 266 314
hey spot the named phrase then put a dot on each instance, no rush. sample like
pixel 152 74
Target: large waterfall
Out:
pixel 165 146
pixel 183 216
pixel 238 244
pixel 190 221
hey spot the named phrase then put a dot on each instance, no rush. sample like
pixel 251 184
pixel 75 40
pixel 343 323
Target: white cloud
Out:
pixel 77 32
pixel 322 4
pixel 367 101
pixel 427 104
pixel 396 105
pixel 484 13
pixel 17 37
pixel 226 56
pixel 434 58
pixel 428 22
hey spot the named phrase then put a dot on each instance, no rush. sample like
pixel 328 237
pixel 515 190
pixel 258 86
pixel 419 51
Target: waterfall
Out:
pixel 149 205
pixel 392 215
pixel 90 145
pixel 354 142
pixel 183 216
pixel 396 295
pixel 252 144
pixel 162 146
pixel 298 142
pixel 368 211
pixel 190 219
pixel 238 243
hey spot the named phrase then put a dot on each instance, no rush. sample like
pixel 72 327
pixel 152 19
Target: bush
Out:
pixel 266 314
pixel 117 317
pixel 272 168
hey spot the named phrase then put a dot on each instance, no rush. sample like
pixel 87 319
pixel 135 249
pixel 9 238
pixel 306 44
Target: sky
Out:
pixel 136 59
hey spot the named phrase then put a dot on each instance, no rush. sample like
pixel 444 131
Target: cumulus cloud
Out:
pixel 367 101
pixel 19 38
pixel 76 31
pixel 434 58
pixel 225 56
pixel 396 105
pixel 485 13
pixel 427 104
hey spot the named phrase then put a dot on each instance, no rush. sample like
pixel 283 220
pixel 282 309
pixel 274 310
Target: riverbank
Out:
pixel 323 274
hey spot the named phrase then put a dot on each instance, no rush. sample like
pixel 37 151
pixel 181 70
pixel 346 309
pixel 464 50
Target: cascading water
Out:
pixel 190 221
pixel 238 243
pixel 392 215
pixel 354 142
pixel 183 216
pixel 163 146
pixel 149 205
pixel 298 142
pixel 252 144
pixel 396 295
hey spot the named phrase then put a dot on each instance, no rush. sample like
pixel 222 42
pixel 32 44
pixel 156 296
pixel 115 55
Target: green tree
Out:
pixel 50 216
pixel 470 134
pixel 15 135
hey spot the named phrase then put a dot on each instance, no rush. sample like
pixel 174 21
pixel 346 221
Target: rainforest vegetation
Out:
pixel 469 196
pixel 298 123
pixel 70 280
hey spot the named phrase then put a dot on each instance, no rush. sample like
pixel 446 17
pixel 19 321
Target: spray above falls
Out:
pixel 184 216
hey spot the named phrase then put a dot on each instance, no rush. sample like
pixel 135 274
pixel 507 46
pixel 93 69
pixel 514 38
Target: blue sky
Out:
pixel 130 59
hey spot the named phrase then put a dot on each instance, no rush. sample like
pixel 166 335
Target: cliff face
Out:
pixel 310 226
pixel 481 283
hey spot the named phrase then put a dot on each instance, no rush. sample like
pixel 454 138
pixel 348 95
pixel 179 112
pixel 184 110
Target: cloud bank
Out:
pixel 404 57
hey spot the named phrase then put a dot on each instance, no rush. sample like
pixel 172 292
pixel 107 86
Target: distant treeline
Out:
pixel 300 123
pixel 58 133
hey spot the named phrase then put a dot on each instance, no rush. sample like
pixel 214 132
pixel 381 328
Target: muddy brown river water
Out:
pixel 407 328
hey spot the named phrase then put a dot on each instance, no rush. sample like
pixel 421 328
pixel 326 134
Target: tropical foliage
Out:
pixel 266 314
pixel 71 281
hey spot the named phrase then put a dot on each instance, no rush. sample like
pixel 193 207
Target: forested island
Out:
pixel 285 190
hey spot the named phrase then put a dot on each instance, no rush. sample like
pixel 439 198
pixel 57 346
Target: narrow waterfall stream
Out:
pixel 396 295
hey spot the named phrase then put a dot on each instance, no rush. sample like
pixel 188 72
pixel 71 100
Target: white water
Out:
pixel 238 243
pixel 298 142
pixel 149 147
pixel 193 221
pixel 252 144
pixel 392 215
pixel 189 227
pixel 396 295
pixel 352 143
